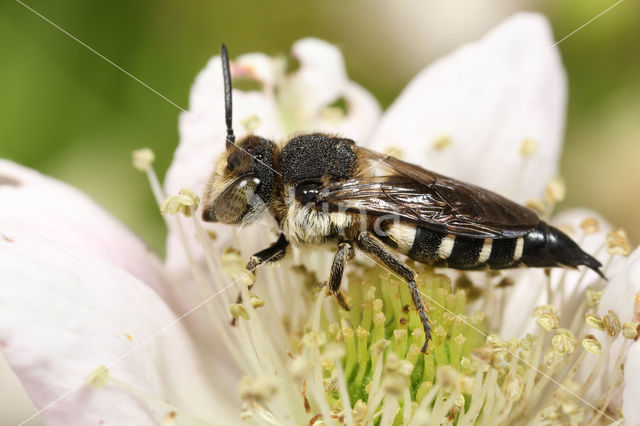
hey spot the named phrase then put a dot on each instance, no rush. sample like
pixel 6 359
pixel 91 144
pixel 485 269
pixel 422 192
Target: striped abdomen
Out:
pixel 544 246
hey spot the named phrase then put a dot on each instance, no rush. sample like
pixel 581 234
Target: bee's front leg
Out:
pixel 273 253
pixel 344 253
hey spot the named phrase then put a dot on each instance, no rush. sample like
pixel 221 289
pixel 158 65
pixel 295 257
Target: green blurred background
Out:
pixel 68 113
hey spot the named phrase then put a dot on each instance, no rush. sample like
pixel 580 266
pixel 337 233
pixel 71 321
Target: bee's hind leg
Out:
pixel 344 254
pixel 273 253
pixel 371 244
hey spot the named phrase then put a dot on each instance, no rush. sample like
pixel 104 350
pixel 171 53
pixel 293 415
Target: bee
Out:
pixel 322 189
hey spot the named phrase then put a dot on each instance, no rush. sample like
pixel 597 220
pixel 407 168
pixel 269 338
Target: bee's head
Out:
pixel 241 186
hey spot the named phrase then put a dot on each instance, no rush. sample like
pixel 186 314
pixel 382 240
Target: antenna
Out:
pixel 231 138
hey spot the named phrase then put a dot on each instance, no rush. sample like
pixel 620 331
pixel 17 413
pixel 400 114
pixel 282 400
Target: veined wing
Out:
pixel 430 200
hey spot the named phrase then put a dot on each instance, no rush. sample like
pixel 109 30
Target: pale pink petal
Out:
pixel 34 204
pixel 486 98
pixel 530 289
pixel 64 312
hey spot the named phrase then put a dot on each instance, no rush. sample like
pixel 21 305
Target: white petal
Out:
pixel 306 96
pixel 569 221
pixel 64 312
pixel 621 295
pixel 487 98
pixel 630 407
pixel 259 67
pixel 623 289
pixel 528 292
pixel 362 116
pixel 321 78
pixel 34 204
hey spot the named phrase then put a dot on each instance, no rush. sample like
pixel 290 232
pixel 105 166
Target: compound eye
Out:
pixel 236 200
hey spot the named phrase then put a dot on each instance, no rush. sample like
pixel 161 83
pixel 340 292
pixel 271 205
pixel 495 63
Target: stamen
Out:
pixel 258 389
pixel 251 123
pixel 536 205
pixel 594 321
pixel 529 147
pixel 546 317
pixel 101 377
pixel 441 142
pixel 630 330
pixel 590 225
pixel 591 344
pixel 217 322
pixel 611 323
pixel 614 383
pixel 342 384
pixel 617 243
pixel 238 311
pixel 183 203
pixel 555 191
pixel 143 158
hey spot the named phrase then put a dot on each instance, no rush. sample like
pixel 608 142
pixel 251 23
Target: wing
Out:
pixel 430 200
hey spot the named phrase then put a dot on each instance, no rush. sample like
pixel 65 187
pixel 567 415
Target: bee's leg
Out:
pixel 273 253
pixel 344 253
pixel 370 244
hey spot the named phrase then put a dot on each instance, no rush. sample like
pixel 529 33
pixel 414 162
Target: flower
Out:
pixel 97 329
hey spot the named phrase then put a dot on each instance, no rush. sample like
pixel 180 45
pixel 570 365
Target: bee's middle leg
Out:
pixel 344 254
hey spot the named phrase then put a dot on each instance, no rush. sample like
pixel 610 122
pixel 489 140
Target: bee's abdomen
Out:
pixel 448 250
pixel 544 246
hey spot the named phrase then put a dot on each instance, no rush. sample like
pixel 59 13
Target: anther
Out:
pixel 594 321
pixel 591 344
pixel 612 323
pixel 99 377
pixel 617 243
pixel 142 159
pixel 590 225
pixel 555 191
pixel 529 147
pixel 441 142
